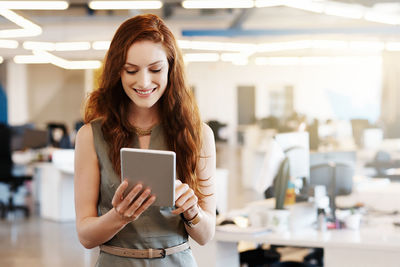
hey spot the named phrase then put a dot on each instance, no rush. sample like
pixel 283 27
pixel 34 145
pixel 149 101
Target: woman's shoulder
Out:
pixel 207 132
pixel 208 140
pixel 91 128
pixel 85 132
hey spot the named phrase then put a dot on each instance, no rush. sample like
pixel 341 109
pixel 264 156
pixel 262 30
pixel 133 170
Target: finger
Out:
pixel 180 189
pixel 118 195
pixel 130 197
pixel 138 202
pixel 177 182
pixel 184 197
pixel 191 202
pixel 144 207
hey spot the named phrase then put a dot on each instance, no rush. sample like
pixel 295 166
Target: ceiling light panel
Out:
pixel 367 46
pixel 48 46
pixel 201 57
pixel 217 4
pixel 109 5
pixel 268 3
pixel 28 28
pixel 380 17
pixel 72 46
pixel 282 46
pixel 34 5
pixel 308 5
pixel 60 46
pixel 11 44
pixel 30 59
pixel 67 64
pixel 101 45
pixel 352 11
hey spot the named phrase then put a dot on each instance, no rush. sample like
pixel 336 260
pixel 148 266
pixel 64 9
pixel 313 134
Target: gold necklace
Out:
pixel 142 132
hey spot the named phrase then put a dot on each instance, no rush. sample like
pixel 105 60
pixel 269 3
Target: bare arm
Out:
pixel 93 230
pixel 189 204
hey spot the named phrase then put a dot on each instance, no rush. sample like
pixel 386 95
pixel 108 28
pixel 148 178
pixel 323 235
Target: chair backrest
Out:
pixel 333 174
pixel 336 177
pixel 5 152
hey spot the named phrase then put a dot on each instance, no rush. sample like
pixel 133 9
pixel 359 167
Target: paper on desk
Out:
pixel 232 228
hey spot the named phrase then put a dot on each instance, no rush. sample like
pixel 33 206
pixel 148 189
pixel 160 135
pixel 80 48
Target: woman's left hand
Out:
pixel 185 200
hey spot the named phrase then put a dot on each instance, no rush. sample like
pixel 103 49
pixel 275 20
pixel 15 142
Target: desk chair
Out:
pixel 6 176
pixel 261 257
pixel 381 163
pixel 338 180
pixel 336 177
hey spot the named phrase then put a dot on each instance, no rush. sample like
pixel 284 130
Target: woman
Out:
pixel 144 102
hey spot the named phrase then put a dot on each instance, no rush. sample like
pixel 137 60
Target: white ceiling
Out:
pixel 78 23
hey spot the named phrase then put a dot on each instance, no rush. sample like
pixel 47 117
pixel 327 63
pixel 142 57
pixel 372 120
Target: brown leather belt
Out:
pixel 144 253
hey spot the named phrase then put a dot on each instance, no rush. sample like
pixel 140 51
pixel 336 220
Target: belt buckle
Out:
pixel 162 253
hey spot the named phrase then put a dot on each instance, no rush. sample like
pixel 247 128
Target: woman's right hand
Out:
pixel 130 207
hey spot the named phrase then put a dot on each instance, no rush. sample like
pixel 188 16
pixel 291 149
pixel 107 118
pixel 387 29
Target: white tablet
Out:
pixel 152 168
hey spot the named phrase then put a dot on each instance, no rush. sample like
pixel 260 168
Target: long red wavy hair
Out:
pixel 179 113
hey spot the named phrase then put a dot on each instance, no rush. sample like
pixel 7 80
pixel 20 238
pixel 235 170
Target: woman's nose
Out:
pixel 143 80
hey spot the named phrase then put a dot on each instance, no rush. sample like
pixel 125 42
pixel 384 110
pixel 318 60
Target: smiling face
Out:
pixel 144 75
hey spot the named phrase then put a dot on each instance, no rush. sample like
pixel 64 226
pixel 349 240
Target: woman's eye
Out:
pixel 155 70
pixel 131 71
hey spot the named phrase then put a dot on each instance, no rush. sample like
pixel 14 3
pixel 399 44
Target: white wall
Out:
pixel 55 94
pixel 17 88
pixel 216 84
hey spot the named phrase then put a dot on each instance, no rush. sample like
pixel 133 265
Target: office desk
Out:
pixel 56 198
pixel 370 246
pixel 376 244
pixel 56 186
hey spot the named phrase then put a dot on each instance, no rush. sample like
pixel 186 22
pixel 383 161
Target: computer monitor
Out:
pixel 296 146
pixel 25 136
pixel 35 138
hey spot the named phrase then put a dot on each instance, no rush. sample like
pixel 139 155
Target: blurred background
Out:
pixel 258 68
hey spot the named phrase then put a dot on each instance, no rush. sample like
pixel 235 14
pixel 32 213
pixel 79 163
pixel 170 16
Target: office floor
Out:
pixel 36 242
pixel 40 243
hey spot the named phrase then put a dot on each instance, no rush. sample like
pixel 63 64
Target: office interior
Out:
pixel 302 97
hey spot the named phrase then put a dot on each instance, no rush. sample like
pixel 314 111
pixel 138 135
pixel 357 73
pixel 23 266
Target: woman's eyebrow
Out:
pixel 151 64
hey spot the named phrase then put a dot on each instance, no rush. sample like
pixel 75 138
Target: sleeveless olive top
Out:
pixel 155 228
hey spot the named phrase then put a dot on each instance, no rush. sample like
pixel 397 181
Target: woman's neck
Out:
pixel 143 117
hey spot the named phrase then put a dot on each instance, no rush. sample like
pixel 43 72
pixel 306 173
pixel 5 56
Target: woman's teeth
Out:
pixel 146 92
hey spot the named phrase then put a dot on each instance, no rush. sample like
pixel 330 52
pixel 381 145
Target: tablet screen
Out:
pixel 152 168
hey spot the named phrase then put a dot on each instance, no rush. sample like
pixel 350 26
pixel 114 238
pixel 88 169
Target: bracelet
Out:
pixel 196 219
